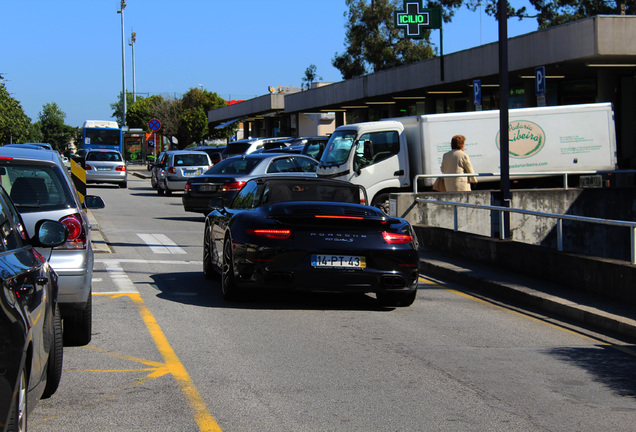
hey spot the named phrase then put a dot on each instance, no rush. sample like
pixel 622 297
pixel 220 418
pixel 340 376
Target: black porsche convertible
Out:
pixel 309 234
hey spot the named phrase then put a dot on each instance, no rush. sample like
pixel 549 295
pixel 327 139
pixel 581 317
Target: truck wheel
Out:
pixel 382 201
pixel 78 325
pixel 56 357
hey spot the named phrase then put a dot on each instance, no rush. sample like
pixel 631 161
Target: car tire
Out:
pixel 159 190
pixel 399 299
pixel 56 358
pixel 168 191
pixel 208 248
pixel 229 290
pixel 153 182
pixel 18 416
pixel 123 185
pixel 78 325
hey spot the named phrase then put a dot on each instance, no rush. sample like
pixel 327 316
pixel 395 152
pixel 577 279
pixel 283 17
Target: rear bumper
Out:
pixel 397 274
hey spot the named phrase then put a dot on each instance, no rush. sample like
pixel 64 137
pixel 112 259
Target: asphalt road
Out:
pixel 168 354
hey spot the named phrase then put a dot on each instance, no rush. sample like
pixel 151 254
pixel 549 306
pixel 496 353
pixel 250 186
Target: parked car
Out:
pixel 314 146
pixel 309 234
pixel 41 188
pixel 31 345
pixel 250 145
pixel 105 166
pixel 227 177
pixel 215 153
pixel 156 170
pixel 178 166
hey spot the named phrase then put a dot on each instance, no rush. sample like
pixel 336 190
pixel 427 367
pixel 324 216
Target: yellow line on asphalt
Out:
pixel 202 417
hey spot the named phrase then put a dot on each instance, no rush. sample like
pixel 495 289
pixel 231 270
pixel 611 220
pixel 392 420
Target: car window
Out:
pixel 303 190
pixel 12 232
pixel 234 166
pixel 191 159
pixel 282 165
pixel 305 164
pixel 246 197
pixel 104 156
pixel 36 187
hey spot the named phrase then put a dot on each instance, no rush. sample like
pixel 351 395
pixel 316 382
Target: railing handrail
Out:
pixel 560 218
pixel 565 175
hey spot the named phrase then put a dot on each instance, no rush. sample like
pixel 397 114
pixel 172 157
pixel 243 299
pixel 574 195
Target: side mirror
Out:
pixel 49 233
pixel 94 202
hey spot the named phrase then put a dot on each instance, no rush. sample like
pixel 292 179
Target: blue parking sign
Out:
pixel 539 74
pixel 477 92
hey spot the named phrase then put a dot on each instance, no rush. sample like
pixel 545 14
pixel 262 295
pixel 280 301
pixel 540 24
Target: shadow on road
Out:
pixel 192 288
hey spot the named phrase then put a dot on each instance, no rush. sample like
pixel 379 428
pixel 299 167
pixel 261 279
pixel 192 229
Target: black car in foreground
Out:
pixel 31 345
pixel 309 234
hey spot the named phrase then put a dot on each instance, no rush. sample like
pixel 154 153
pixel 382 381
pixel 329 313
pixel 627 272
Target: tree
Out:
pixel 54 131
pixel 373 43
pixel 15 126
pixel 550 13
pixel 555 12
pixel 118 108
pixel 196 104
pixel 310 76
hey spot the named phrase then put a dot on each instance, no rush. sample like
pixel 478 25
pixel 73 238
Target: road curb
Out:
pixel 524 291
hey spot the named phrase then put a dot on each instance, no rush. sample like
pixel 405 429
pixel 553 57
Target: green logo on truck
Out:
pixel 525 139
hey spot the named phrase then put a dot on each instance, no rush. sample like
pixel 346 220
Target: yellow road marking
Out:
pixel 173 365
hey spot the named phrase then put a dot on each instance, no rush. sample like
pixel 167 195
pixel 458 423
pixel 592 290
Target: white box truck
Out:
pixel 385 156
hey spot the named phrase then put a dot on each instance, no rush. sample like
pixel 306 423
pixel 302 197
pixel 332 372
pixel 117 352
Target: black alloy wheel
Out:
pixel 228 283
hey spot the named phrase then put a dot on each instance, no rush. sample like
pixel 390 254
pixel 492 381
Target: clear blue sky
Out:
pixel 69 51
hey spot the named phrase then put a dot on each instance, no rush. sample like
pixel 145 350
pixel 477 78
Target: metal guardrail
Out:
pixel 565 175
pixel 559 217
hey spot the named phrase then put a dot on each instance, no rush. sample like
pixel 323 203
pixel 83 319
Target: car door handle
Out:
pixel 42 281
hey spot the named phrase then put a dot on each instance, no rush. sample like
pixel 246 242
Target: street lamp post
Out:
pixel 123 59
pixel 133 40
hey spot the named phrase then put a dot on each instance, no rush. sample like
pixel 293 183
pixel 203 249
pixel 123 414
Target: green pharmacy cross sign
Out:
pixel 414 19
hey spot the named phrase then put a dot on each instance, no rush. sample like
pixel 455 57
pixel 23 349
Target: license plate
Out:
pixel 207 188
pixel 338 261
pixel 103 169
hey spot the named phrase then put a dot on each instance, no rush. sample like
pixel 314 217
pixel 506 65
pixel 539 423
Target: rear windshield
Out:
pixel 103 156
pixel 236 165
pixel 236 148
pixel 303 190
pixel 35 188
pixel 191 159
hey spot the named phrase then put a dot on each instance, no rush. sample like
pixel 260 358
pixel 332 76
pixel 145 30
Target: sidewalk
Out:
pixel 585 309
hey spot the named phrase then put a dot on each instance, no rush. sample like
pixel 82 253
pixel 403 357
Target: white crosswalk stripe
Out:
pixel 161 244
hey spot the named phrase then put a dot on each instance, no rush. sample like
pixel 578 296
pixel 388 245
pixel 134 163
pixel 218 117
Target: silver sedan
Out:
pixel 106 166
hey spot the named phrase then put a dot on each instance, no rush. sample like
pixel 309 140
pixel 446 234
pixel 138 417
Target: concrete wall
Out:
pixel 607 278
pixel 578 237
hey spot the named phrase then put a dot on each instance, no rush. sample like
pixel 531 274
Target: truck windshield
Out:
pixel 338 148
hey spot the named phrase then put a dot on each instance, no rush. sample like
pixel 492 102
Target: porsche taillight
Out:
pixel 396 238
pixel 76 233
pixel 281 234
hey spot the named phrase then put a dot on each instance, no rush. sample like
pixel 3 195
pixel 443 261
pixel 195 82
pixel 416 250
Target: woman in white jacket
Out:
pixel 457 161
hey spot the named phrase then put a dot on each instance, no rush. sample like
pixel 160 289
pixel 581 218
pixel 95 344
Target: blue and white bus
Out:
pixel 101 134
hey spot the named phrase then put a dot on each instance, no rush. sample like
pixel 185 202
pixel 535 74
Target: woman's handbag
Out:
pixel 439 185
